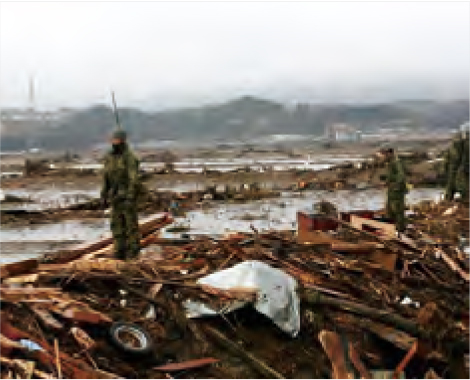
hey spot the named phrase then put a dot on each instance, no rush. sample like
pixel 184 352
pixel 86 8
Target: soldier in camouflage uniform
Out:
pixel 396 181
pixel 457 167
pixel 120 188
pixel 463 171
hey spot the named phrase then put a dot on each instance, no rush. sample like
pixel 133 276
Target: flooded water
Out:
pixel 281 213
pixel 218 219
pixel 19 243
pixel 53 197
pixel 67 194
pixel 197 165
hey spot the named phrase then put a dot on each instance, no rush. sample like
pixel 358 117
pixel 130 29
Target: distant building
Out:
pixel 342 132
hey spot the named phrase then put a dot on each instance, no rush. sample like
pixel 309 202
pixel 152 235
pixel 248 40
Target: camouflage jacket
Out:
pixel 120 176
pixel 465 162
pixel 454 155
pixel 396 176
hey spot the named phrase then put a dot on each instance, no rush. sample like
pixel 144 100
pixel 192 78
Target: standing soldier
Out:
pixel 463 170
pixel 457 162
pixel 397 190
pixel 120 188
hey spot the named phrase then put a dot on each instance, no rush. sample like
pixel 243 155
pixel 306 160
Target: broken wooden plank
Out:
pixel 154 289
pixel 314 298
pixel 46 318
pixel 189 364
pixel 23 294
pixel 84 315
pixel 340 246
pixel 409 355
pixel 7 345
pixel 388 230
pixel 387 260
pixel 146 227
pixel 331 343
pixel 262 367
pixel 24 279
pixel 355 358
pixel 398 338
pixel 18 268
pixel 314 238
pixel 452 264
pixel 387 242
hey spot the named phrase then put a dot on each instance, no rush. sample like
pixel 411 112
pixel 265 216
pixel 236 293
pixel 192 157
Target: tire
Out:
pixel 130 338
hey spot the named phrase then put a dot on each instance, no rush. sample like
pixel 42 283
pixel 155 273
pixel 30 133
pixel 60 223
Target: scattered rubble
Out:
pixel 371 303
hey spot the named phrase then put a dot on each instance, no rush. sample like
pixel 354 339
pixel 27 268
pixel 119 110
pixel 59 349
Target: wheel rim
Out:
pixel 131 337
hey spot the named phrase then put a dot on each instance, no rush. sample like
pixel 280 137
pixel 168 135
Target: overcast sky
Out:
pixel 159 54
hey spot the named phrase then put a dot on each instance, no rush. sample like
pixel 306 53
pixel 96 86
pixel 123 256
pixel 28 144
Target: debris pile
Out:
pixel 344 298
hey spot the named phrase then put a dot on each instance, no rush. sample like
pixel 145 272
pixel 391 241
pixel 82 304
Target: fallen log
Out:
pixel 262 367
pixel 315 298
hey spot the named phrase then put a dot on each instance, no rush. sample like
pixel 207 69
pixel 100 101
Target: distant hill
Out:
pixel 242 118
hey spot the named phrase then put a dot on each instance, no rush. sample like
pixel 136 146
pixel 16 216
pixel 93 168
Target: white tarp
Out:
pixel 277 297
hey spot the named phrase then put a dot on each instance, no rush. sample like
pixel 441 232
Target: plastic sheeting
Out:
pixel 276 293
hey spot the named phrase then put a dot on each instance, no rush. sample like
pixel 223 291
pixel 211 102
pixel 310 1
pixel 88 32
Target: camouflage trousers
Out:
pixel 396 209
pixel 125 229
pixel 461 184
pixel 451 187
pixel 457 182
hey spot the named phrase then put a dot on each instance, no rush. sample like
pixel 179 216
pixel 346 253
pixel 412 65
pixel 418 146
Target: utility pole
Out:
pixel 32 100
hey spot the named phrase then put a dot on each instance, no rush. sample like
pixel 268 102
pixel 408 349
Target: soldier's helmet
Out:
pixel 120 135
